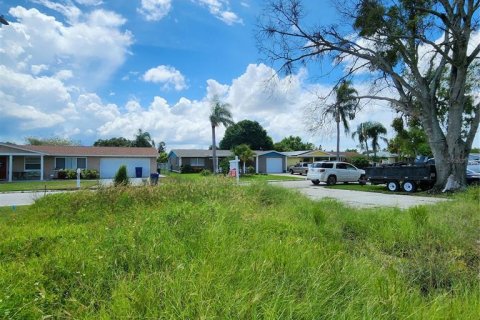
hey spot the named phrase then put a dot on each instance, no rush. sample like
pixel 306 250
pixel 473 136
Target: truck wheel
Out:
pixel 331 180
pixel 291 171
pixel 409 186
pixel 393 186
pixel 316 182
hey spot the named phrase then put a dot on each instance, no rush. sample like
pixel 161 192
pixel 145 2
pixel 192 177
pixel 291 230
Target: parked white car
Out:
pixel 332 172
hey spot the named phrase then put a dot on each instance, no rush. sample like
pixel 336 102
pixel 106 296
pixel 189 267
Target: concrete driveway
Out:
pixel 8 199
pixel 358 199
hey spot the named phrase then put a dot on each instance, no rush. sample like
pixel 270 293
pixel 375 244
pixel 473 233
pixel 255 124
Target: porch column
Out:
pixel 10 168
pixel 41 168
pixel 256 164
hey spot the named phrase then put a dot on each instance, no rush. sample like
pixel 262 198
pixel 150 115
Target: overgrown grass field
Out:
pixel 212 250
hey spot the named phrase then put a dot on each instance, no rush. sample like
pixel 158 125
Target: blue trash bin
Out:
pixel 138 172
pixel 154 178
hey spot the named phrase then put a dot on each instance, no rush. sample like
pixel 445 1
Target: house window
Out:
pixel 70 163
pixel 197 162
pixel 32 163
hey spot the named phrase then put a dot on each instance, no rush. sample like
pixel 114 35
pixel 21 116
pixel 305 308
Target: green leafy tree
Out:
pixel 292 143
pixel 417 48
pixel 376 131
pixel 410 141
pixel 162 153
pixel 143 139
pixel 246 132
pixel 55 141
pixel 244 153
pixel 220 114
pixel 344 109
pixel 113 142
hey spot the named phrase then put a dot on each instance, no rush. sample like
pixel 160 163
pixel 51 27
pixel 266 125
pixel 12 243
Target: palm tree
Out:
pixel 370 130
pixel 220 114
pixel 375 131
pixel 143 139
pixel 361 132
pixel 243 152
pixel 343 109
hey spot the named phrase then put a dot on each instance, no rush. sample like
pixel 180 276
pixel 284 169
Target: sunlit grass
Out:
pixel 211 249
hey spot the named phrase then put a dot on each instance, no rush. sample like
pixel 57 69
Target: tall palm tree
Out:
pixel 220 114
pixel 361 132
pixel 344 108
pixel 370 130
pixel 375 131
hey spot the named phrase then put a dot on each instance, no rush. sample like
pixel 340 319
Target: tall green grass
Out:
pixel 212 250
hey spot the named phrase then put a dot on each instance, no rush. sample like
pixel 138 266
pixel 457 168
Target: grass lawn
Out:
pixel 253 177
pixel 210 249
pixel 49 185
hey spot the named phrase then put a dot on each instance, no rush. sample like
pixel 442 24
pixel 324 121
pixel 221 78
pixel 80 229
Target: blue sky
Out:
pixel 91 69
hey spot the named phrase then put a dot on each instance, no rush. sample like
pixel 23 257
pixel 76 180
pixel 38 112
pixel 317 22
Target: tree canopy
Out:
pixel 292 143
pixel 246 132
pixel 408 50
pixel 55 141
pixel 142 139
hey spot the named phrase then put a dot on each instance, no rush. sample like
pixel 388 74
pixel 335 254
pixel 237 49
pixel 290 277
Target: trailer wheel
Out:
pixel 393 186
pixel 409 186
pixel 316 182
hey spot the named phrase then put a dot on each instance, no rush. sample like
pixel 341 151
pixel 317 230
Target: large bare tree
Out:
pixel 421 49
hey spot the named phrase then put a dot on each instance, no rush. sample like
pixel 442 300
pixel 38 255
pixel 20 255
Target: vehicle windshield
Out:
pixel 475 168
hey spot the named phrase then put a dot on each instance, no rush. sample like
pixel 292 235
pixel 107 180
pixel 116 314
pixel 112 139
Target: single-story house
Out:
pixel 385 157
pixel 264 161
pixel 294 157
pixel 22 162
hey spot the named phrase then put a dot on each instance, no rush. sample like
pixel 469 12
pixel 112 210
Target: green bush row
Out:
pixel 72 174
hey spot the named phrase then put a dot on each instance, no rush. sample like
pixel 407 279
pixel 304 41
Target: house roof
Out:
pixel 295 153
pixel 199 153
pixel 384 154
pixel 90 151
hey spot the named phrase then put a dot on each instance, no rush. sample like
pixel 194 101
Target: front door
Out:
pixel 3 168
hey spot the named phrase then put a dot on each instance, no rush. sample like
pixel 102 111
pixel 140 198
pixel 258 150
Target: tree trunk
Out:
pixel 450 153
pixel 214 151
pixel 338 136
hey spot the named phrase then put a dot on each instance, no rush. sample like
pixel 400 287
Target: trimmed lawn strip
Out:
pixel 48 185
pixel 209 249
pixel 244 178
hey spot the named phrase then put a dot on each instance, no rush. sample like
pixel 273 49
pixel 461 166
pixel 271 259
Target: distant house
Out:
pixel 25 162
pixel 385 157
pixel 294 157
pixel 264 161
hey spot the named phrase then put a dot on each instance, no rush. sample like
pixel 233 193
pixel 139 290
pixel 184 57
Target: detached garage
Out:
pixel 270 162
pixel 109 167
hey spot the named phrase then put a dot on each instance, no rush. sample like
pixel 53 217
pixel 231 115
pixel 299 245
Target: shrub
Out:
pixel 90 174
pixel 121 177
pixel 62 174
pixel 250 170
pixel 186 168
pixel 71 174
pixel 205 172
pixel 224 165
pixel 360 162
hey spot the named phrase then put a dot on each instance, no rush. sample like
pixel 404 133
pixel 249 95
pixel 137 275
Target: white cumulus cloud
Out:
pixel 221 10
pixel 155 10
pixel 168 76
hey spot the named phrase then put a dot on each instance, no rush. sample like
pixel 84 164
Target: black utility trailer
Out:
pixel 408 177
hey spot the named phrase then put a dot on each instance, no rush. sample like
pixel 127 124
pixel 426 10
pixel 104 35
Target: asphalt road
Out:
pixel 358 199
